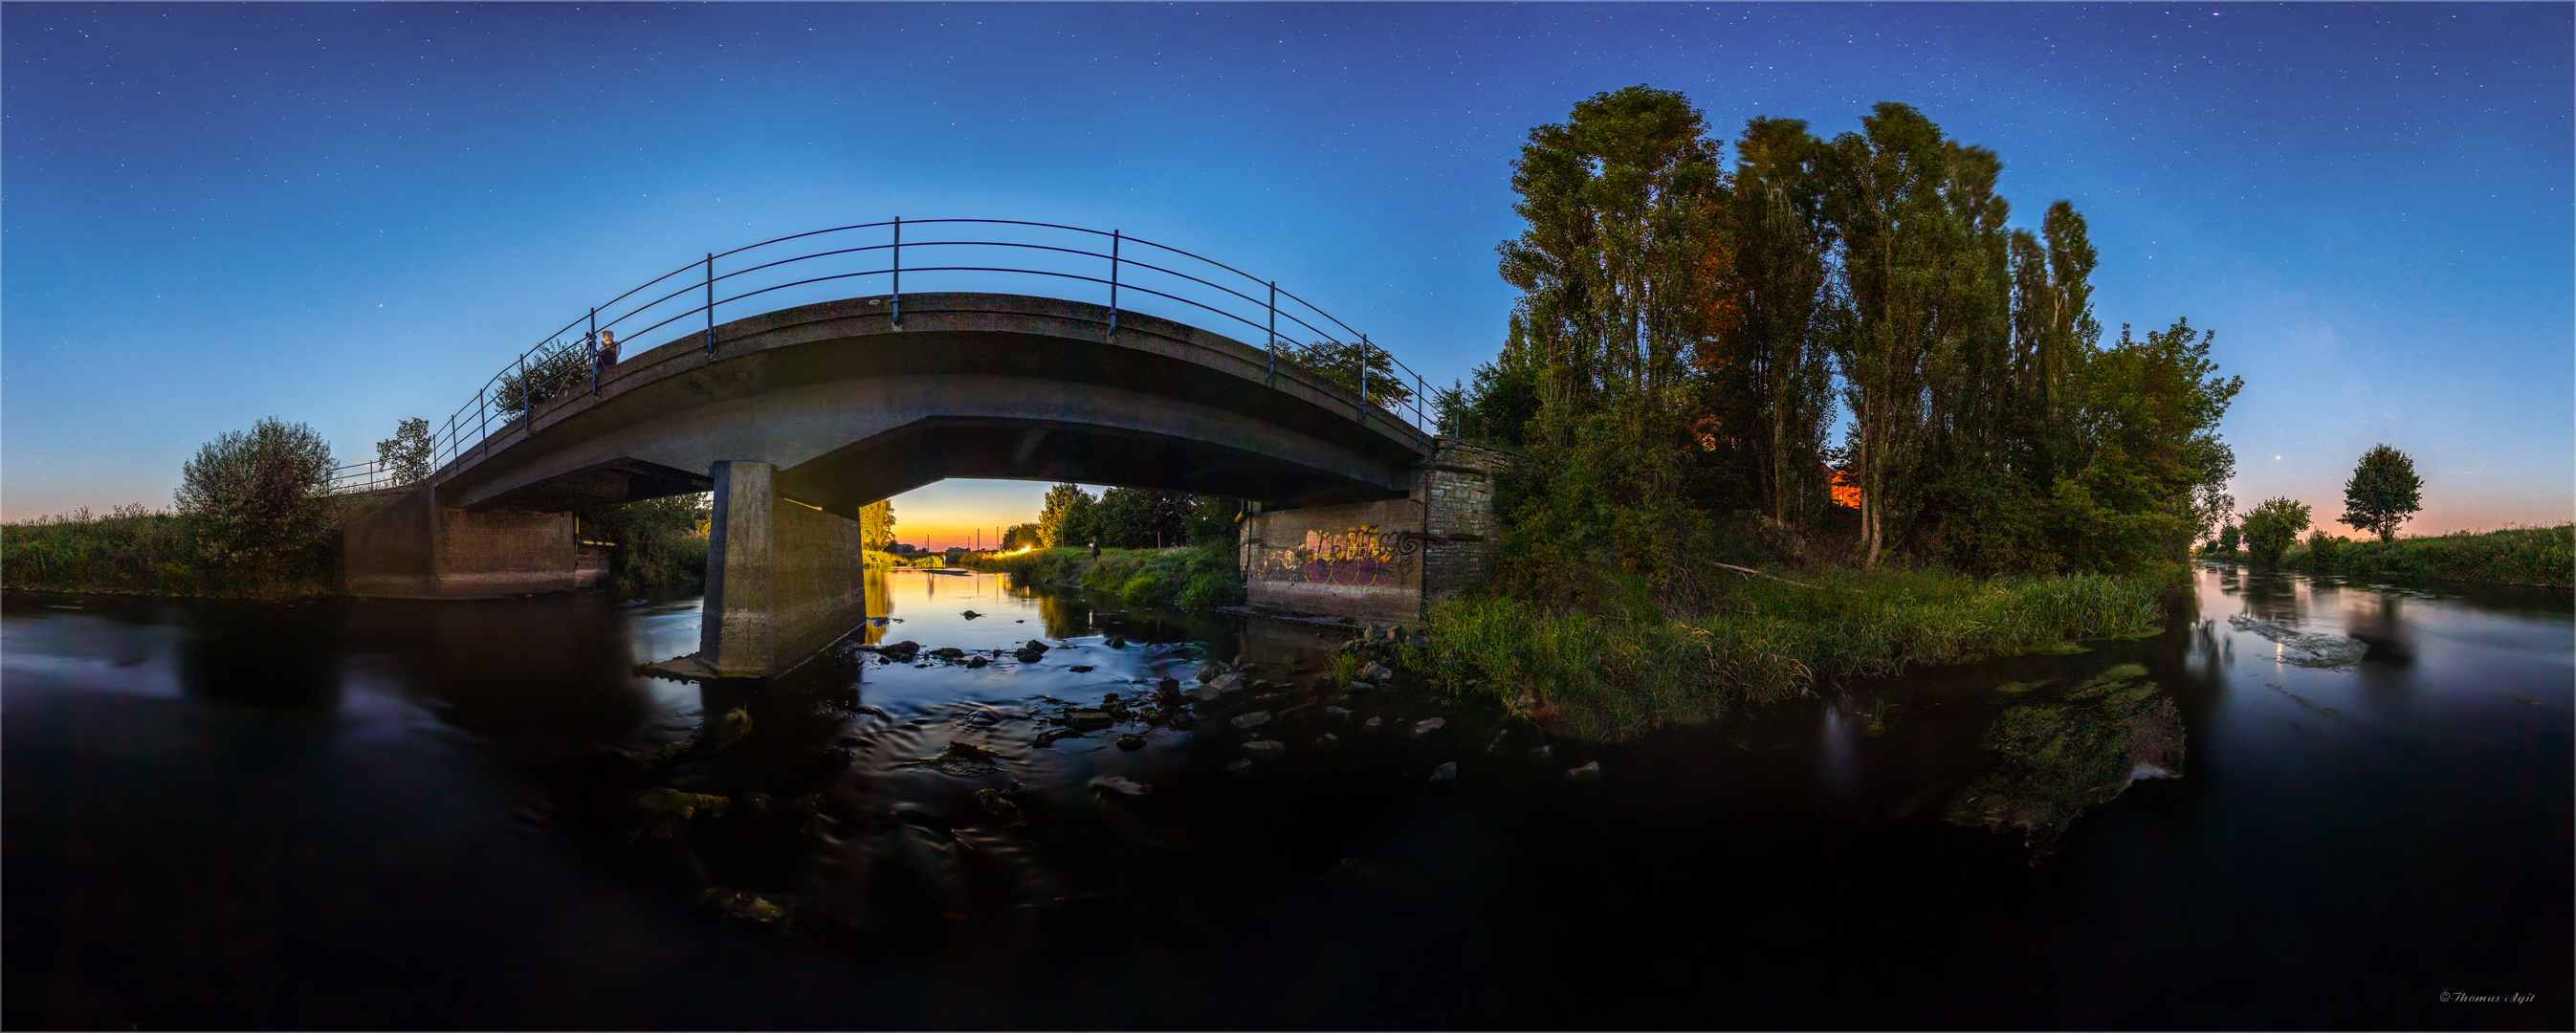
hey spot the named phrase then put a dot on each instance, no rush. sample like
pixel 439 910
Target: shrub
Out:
pixel 258 497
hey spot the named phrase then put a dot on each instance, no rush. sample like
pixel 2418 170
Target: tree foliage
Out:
pixel 2272 526
pixel 1686 335
pixel 259 494
pixel 404 458
pixel 2382 493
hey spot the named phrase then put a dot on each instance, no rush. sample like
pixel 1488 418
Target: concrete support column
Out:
pixel 736 634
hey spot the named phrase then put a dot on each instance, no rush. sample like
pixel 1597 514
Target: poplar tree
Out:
pixel 1779 363
pixel 1897 238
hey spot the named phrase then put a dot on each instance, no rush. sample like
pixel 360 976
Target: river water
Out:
pixel 369 815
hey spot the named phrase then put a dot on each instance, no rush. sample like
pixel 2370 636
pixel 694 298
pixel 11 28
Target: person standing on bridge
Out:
pixel 606 357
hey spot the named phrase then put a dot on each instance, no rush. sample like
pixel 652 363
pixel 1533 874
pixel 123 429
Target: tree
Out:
pixel 1775 365
pixel 404 458
pixel 2272 526
pixel 1613 267
pixel 1898 236
pixel 2227 540
pixel 1066 516
pixel 541 379
pixel 2382 493
pixel 1022 536
pixel 1340 363
pixel 258 495
pixel 876 525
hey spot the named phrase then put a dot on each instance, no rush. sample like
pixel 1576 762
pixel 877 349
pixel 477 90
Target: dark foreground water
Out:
pixel 422 815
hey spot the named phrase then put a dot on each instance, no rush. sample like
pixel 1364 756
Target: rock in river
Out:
pixel 1329 741
pixel 1447 772
pixel 1428 725
pixel 1587 773
pixel 1121 785
pixel 1265 749
pixel 1252 720
pixel 1086 720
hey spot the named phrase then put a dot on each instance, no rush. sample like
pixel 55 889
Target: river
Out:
pixel 379 814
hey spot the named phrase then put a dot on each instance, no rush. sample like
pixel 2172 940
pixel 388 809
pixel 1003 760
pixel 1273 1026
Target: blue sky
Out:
pixel 346 215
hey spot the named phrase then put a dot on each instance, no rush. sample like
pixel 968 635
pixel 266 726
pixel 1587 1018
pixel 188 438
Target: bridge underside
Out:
pixel 826 408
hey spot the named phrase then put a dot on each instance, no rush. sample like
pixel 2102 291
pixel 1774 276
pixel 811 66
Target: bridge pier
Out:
pixel 414 547
pixel 1386 560
pixel 784 578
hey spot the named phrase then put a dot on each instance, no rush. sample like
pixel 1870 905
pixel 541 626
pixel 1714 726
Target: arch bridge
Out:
pixel 797 416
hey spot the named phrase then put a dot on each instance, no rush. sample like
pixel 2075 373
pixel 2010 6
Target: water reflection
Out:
pixel 475 815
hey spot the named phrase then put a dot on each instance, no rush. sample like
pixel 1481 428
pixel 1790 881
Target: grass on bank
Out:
pixel 1596 676
pixel 136 551
pixel 1190 577
pixel 2514 556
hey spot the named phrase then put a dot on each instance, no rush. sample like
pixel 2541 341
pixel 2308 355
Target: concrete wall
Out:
pixel 1357 559
pixel 1381 560
pixel 821 570
pixel 411 547
pixel 783 579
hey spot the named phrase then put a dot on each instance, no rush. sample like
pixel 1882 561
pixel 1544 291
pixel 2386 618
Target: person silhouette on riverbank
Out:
pixel 1095 548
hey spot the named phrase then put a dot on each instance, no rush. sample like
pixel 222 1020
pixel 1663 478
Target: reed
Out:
pixel 1761 641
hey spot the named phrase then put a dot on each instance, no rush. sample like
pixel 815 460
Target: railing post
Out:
pixel 528 400
pixel 593 339
pixel 1113 282
pixel 1364 354
pixel 711 302
pixel 898 272
pixel 1274 332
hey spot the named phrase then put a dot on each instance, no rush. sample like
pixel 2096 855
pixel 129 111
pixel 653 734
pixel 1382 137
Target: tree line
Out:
pixel 1690 336
pixel 1127 518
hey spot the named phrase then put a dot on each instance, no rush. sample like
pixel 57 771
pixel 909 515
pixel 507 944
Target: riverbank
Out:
pixel 1608 677
pixel 1190 577
pixel 2539 556
pixel 134 551
pixel 660 548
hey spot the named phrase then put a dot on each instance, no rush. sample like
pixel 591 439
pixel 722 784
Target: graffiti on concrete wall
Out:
pixel 1357 557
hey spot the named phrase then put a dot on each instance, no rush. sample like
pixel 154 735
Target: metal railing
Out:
pixel 569 358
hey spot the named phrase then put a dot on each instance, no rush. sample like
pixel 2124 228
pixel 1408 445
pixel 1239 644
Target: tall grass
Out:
pixel 133 550
pixel 1600 676
pixel 1190 577
pixel 2514 556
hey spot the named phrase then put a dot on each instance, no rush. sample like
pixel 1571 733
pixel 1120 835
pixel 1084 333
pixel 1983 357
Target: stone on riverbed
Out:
pixel 1121 785
pixel 1372 724
pixel 1252 720
pixel 1447 772
pixel 1428 725
pixel 1329 741
pixel 1087 720
pixel 978 660
pixel 1377 672
pixel 1338 713
pixel 1590 772
pixel 1265 749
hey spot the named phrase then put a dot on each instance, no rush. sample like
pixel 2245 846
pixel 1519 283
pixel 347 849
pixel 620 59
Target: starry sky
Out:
pixel 345 215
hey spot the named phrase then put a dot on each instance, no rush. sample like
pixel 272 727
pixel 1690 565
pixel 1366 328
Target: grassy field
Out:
pixel 1598 676
pixel 1190 577
pixel 2515 556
